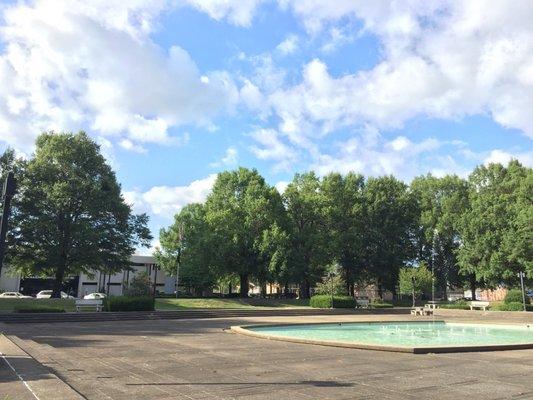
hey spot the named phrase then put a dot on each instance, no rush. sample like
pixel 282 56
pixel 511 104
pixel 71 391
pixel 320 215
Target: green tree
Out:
pixel 441 203
pixel 69 214
pixel 497 230
pixel 307 234
pixel 343 212
pixel 390 223
pixel 239 210
pixel 415 280
pixel 190 239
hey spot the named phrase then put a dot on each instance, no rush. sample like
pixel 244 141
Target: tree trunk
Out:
pixel 414 303
pixel 230 289
pixel 380 289
pixel 58 282
pixel 263 290
pixel 245 285
pixel 473 286
pixel 305 289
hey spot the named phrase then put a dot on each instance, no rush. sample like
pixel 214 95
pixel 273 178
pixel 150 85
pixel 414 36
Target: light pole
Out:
pixel 521 275
pixel 331 275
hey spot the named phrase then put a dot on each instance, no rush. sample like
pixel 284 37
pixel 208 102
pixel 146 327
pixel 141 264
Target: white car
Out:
pixel 95 296
pixel 46 294
pixel 13 295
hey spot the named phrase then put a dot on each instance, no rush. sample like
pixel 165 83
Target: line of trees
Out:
pixel 68 215
pixel 475 232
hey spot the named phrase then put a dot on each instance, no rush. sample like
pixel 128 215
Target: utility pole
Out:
pixel 8 192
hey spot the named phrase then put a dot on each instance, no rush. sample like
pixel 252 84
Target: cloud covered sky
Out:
pixel 177 90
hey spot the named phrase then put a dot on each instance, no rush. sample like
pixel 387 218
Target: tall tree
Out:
pixel 308 254
pixel 69 215
pixel 497 230
pixel 441 203
pixel 391 219
pixel 239 210
pixel 190 239
pixel 343 211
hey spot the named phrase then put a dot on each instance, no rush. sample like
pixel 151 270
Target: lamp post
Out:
pixel 331 275
pixel 521 275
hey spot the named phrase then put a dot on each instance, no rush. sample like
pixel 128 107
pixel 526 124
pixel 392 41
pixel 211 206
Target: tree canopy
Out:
pixel 69 215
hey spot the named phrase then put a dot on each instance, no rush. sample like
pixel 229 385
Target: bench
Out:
pixel 479 304
pixel 89 303
pixel 362 303
pixel 421 311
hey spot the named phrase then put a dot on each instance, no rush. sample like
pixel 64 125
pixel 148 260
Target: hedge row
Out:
pixel 515 296
pixel 38 309
pixel 324 301
pixel 126 303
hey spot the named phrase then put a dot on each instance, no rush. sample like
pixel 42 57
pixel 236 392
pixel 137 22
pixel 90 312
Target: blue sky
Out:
pixel 176 91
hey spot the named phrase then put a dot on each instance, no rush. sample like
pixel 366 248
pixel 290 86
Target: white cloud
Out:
pixel 68 65
pixel 281 186
pixel 370 153
pixel 271 147
pixel 439 59
pixel 289 45
pixel 503 157
pixel 238 12
pixel 230 158
pixel 166 201
pixel 129 145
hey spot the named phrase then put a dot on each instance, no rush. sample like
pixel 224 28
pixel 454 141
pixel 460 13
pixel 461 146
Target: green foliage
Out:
pixel 441 203
pixel 390 222
pixel 239 212
pixel 324 301
pixel 497 231
pixel 515 296
pixel 69 215
pixel 126 303
pixel 334 283
pixel 511 306
pixel 307 234
pixel 38 309
pixel 378 303
pixel 343 210
pixel 140 285
pixel 415 280
pixel 456 305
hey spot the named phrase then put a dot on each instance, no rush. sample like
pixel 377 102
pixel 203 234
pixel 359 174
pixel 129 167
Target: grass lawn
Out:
pixel 173 304
pixel 8 305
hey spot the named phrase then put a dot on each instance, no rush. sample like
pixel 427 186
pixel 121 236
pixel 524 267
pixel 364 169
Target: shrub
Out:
pixel 456 305
pixel 515 296
pixel 38 309
pixel 381 304
pixel 127 303
pixel 324 301
pixel 139 286
pixel 512 306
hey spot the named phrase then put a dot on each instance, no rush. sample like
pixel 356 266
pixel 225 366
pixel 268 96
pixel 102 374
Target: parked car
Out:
pixel 13 295
pixel 46 294
pixel 95 296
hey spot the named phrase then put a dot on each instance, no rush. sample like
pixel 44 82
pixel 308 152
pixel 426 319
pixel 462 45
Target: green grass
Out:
pixel 173 304
pixel 8 305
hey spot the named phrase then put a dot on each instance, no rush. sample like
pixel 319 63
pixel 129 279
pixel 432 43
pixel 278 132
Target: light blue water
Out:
pixel 406 334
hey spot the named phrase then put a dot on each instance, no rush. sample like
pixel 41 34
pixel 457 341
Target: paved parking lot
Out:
pixel 199 359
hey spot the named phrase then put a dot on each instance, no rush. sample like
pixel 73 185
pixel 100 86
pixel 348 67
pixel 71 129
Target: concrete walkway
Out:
pixel 199 359
pixel 22 377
